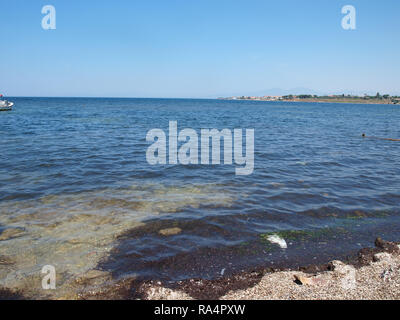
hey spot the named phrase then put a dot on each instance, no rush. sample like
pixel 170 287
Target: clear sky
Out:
pixel 198 48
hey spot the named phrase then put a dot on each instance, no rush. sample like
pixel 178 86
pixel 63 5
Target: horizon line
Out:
pixel 110 97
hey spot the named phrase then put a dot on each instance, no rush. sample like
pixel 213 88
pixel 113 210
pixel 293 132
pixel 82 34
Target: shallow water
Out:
pixel 77 193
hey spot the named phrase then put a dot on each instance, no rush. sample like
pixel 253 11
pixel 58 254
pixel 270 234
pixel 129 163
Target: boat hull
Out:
pixel 6 107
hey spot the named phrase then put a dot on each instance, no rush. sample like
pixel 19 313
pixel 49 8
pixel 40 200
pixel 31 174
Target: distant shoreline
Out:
pixel 317 101
pixel 354 100
pixel 393 101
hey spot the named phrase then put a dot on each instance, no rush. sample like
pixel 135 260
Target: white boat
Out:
pixel 5 105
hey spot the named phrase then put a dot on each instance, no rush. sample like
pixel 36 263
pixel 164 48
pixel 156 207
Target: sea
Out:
pixel 78 194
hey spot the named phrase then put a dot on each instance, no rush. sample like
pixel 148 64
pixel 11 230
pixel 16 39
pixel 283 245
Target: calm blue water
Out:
pixel 79 158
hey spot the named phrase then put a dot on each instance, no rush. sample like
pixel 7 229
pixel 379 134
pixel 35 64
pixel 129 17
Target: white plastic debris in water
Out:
pixel 222 271
pixel 277 240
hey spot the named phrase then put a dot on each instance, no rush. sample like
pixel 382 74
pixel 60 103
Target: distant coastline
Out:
pixel 377 99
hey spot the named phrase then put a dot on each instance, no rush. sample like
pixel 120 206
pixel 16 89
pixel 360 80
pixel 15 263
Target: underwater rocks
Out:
pixel 5 261
pixel 170 231
pixel 11 233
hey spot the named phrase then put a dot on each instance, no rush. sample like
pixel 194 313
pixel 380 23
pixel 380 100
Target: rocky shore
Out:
pixel 373 274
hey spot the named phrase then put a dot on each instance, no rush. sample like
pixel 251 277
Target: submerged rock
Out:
pixel 5 261
pixel 11 233
pixel 170 231
pixel 92 277
pixel 92 274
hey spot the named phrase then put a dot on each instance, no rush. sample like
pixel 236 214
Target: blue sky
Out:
pixel 199 48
